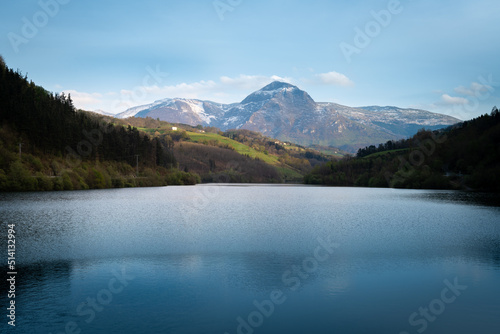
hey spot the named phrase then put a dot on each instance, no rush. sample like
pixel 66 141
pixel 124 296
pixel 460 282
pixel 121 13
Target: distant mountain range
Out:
pixel 281 110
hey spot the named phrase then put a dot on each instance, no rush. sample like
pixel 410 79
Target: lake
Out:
pixel 254 259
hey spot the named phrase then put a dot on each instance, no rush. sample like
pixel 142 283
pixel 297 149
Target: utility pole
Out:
pixel 137 164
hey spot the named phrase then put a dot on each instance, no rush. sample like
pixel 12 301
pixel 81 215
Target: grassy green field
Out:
pixel 237 146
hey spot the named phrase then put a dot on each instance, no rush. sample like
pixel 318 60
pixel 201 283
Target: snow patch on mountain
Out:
pixel 131 112
pixel 105 113
pixel 198 108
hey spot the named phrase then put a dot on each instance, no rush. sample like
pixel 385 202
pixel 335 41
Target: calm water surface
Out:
pixel 254 259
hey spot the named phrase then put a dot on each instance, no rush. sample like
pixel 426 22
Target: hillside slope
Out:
pixel 465 156
pixel 210 152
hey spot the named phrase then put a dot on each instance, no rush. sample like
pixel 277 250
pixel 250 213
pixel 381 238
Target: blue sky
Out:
pixel 440 56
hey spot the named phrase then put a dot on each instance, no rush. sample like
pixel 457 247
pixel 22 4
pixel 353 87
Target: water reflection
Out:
pixel 207 293
pixel 484 250
pixel 42 292
pixel 460 197
pixel 200 275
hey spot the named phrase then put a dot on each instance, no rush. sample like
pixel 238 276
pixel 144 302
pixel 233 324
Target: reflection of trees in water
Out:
pixel 485 250
pixel 41 290
pixel 462 197
pixel 38 277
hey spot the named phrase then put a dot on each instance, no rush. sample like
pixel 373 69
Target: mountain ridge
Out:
pixel 284 111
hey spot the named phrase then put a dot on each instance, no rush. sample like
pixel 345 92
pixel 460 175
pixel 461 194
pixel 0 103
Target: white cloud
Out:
pixel 452 100
pixel 464 91
pixel 475 89
pixel 335 78
pixel 192 90
pixel 468 102
pixel 226 90
pixel 81 98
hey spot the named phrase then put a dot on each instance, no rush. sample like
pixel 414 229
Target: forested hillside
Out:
pixel 45 144
pixel 233 155
pixel 464 156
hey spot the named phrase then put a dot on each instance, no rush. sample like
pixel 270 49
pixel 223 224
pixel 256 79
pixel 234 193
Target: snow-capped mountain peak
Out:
pixel 277 85
pixel 274 89
pixel 283 111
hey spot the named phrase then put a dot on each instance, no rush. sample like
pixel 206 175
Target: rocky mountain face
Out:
pixel 283 111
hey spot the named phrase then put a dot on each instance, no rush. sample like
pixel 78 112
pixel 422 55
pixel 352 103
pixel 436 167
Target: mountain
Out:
pixel 283 111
